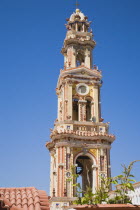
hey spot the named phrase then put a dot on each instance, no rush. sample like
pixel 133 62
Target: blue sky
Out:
pixel 31 37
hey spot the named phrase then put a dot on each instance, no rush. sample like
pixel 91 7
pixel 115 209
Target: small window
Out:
pixel 82 89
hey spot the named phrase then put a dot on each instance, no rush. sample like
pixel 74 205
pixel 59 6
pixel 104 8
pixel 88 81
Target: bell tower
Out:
pixel 80 136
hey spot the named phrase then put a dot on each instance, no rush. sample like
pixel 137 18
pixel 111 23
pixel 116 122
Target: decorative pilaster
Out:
pixel 87 58
pixel 96 103
pixel 94 172
pixel 59 108
pixel 71 57
pixel 69 116
pixel 61 163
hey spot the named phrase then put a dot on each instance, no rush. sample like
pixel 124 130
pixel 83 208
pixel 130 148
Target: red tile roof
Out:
pixel 27 198
pixel 4 204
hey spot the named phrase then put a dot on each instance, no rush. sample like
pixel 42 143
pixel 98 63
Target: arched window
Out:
pixel 80 58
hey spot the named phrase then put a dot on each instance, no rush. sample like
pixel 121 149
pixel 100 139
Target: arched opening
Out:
pixel 73 27
pixel 80 58
pixel 85 172
pixel 88 110
pixel 79 28
pixel 75 109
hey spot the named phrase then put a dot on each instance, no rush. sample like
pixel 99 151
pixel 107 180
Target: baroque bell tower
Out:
pixel 80 136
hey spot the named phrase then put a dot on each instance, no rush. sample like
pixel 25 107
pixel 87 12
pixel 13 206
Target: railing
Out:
pixel 101 129
pixel 85 128
pixel 82 126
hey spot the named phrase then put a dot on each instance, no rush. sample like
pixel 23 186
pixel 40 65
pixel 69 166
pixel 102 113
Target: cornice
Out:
pixel 76 143
pixel 91 136
pixel 86 123
pixel 75 41
pixel 80 74
pixel 81 69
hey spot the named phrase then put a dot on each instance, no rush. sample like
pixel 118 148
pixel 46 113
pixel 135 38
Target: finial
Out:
pixel 77 4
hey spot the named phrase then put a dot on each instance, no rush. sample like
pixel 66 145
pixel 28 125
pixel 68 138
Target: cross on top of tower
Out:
pixel 77 4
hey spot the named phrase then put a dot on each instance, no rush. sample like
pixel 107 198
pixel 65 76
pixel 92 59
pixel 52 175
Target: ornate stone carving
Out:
pixel 94 152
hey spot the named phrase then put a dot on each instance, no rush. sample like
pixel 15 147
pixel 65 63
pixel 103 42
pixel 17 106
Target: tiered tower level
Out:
pixel 80 138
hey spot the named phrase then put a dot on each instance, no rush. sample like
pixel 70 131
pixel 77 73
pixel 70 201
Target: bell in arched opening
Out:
pixel 85 172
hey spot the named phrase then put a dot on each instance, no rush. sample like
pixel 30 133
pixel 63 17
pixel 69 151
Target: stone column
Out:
pixel 63 102
pixel 70 101
pixel 68 158
pixel 65 60
pixel 60 177
pixel 92 109
pixel 108 163
pixel 87 59
pixel 94 176
pixel 99 99
pixel 83 27
pixel 71 183
pixel 71 57
pixel 82 110
pixel 66 109
pixel 51 176
pixel 59 108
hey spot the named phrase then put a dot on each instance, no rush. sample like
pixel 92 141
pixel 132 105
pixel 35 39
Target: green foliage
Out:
pixel 102 193
pixel 123 182
pixel 88 197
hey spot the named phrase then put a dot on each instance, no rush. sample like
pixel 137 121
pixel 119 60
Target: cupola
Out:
pixel 78 22
pixel 79 43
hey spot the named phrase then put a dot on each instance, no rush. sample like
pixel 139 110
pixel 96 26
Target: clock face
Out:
pixel 82 89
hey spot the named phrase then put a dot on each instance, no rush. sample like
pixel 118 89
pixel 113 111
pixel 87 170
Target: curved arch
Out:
pixel 89 171
pixel 87 154
pixel 89 98
pixel 76 96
